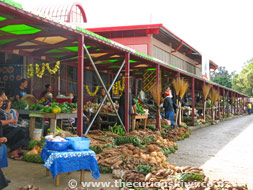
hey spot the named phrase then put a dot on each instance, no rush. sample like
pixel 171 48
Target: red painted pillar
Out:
pixel 219 102
pixel 227 103
pixel 30 61
pixel 237 103
pixel 243 104
pixel 193 100
pixel 127 76
pixel 157 87
pixel 231 102
pixel 223 111
pixel 80 85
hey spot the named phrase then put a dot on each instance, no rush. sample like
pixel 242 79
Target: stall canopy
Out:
pixel 35 35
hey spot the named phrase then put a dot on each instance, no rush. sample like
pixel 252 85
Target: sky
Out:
pixel 219 29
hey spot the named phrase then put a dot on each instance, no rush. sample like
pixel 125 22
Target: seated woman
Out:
pixel 15 135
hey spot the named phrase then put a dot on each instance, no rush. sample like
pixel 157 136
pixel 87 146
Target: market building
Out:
pixel 157 41
pixel 43 39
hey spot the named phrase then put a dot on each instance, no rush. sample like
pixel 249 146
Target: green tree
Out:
pixel 243 82
pixel 222 77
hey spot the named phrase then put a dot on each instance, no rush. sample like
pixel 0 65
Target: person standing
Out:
pixel 21 90
pixel 249 108
pixel 168 105
pixel 122 107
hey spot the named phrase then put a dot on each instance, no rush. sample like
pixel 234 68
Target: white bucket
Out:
pixel 37 133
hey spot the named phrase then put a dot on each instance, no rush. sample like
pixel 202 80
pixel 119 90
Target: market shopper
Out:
pixel 168 105
pixel 121 110
pixel 249 108
pixel 21 90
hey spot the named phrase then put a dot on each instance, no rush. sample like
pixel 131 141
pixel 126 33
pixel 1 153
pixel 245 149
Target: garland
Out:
pixel 30 71
pixel 40 73
pixel 118 87
pixel 92 93
pixel 55 69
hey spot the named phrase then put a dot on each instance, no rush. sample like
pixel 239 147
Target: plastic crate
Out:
pixel 62 100
pixel 58 146
pixel 79 143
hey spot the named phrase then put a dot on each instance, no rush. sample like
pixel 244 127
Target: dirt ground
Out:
pixel 224 151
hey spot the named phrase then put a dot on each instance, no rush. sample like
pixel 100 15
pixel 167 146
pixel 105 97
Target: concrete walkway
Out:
pixel 224 151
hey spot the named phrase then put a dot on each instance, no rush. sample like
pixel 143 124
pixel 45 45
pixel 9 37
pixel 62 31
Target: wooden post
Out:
pixel 158 89
pixel 80 85
pixel 193 100
pixel 219 103
pixel 227 104
pixel 223 106
pixel 57 180
pixel 127 79
pixel 47 172
pixel 82 176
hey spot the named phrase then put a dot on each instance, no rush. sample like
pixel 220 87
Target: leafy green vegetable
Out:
pixel 104 169
pixel 139 107
pixel 19 105
pixel 190 177
pixel 32 158
pixel 144 169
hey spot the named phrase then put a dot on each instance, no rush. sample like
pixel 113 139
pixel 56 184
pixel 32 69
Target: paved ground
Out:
pixel 223 151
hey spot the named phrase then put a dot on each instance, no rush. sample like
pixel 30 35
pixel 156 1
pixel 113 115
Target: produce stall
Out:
pixel 53 119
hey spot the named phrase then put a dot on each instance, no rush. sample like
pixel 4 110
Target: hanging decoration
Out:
pixel 118 87
pixel 55 69
pixel 40 73
pixel 92 93
pixel 30 71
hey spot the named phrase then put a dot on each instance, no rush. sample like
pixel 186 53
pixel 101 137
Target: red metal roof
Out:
pixel 151 29
pixel 215 66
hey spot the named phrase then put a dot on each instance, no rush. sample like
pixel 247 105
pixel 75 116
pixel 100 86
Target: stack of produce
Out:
pixel 19 105
pixel 173 178
pixel 35 148
pixel 93 107
pixel 140 156
pixel 55 107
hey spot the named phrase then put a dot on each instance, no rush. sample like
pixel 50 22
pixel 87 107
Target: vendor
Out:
pixel 132 105
pixel 47 90
pixel 168 105
pixel 21 90
pixel 99 98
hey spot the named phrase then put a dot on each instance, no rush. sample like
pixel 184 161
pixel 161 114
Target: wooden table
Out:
pixel 53 119
pixel 105 118
pixel 134 117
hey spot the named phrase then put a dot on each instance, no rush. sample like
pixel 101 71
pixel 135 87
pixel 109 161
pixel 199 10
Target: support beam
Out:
pixel 231 97
pixel 127 91
pixel 193 100
pixel 227 104
pixel 223 110
pixel 80 86
pixel 219 103
pixel 238 103
pixel 158 90
pixel 30 61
